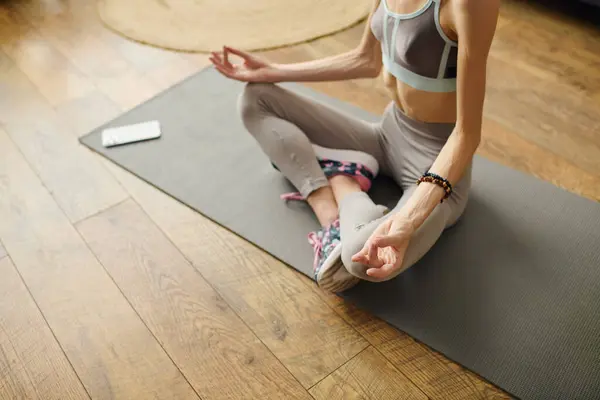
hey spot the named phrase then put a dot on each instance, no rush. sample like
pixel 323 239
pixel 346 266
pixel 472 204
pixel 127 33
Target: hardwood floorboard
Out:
pixel 32 365
pixel 549 115
pixel 91 56
pixel 295 324
pixel 298 327
pixel 76 179
pixel 551 54
pixel 127 72
pixel 375 330
pixel 573 19
pixel 60 64
pixel 50 71
pixel 506 147
pixel 110 348
pixel 367 376
pixel 172 73
pixel 204 337
pixel 78 116
pixel 435 375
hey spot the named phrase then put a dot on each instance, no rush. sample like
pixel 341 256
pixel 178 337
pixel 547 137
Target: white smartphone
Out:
pixel 130 133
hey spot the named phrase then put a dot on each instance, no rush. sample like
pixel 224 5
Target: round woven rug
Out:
pixel 207 25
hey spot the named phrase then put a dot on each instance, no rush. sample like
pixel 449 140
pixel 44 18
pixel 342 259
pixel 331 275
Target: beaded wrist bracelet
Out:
pixel 438 180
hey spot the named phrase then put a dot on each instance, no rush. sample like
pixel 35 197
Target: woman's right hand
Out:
pixel 252 69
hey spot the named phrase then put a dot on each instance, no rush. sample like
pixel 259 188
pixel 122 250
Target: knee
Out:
pixel 355 268
pixel 250 100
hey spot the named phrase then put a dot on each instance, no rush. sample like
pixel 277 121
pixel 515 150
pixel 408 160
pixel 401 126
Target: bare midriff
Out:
pixel 417 104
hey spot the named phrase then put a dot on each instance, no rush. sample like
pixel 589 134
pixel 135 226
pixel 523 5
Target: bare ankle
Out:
pixel 323 203
pixel 342 185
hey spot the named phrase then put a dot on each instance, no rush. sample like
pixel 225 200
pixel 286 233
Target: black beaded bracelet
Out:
pixel 438 180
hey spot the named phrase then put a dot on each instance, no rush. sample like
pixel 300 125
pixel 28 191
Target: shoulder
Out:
pixel 475 20
pixel 476 7
pixel 476 11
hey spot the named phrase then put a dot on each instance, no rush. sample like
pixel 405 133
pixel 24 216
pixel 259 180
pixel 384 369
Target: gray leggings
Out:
pixel 285 124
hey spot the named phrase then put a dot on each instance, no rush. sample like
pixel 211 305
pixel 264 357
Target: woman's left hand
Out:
pixel 385 249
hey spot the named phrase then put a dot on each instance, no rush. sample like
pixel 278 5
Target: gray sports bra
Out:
pixel 415 48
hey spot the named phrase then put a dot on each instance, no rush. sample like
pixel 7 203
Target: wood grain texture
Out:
pixel 101 64
pixel 128 90
pixel 92 56
pixel 78 182
pixel 59 64
pixel 32 365
pixel 128 73
pixel 50 71
pixel 367 376
pixel 548 114
pixel 375 330
pixel 571 20
pixel 210 248
pixel 201 333
pixel 87 113
pixel 295 324
pixel 435 375
pixel 109 347
pixel 176 71
pixel 543 76
pixel 506 147
pixel 532 45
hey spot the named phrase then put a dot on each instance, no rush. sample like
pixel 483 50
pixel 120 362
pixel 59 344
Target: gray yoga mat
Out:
pixel 512 292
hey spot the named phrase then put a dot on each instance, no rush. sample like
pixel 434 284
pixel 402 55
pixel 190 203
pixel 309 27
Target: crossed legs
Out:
pixel 287 126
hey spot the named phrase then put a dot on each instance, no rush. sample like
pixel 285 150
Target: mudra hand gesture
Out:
pixel 252 68
pixel 385 250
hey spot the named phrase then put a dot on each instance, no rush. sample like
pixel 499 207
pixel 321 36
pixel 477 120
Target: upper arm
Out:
pixel 475 24
pixel 369 46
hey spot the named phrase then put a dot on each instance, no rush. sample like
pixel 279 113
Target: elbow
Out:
pixel 472 142
pixel 372 70
pixel 372 66
pixel 469 140
pixel 369 65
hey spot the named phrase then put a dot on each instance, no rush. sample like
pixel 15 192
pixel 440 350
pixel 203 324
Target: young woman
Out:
pixel 434 55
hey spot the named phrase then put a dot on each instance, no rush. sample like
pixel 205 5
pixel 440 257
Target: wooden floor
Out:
pixel 110 289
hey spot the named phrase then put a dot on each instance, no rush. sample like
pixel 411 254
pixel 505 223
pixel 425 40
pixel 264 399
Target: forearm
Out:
pixel 349 65
pixel 451 163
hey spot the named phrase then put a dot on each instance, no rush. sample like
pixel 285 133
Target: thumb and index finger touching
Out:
pixel 369 253
pixel 227 50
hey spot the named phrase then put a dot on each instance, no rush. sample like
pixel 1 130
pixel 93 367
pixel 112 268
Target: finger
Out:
pixel 218 64
pixel 226 57
pixel 224 71
pixel 387 241
pixel 233 74
pixel 217 56
pixel 373 255
pixel 361 256
pixel 238 52
pixel 388 257
pixel 383 272
pixel 371 250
